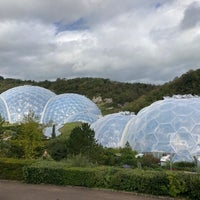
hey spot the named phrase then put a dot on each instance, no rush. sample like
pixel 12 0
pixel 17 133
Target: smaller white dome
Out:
pixel 63 106
pixel 110 128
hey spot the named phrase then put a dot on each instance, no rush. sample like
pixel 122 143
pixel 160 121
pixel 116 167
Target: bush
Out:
pixel 165 183
pixel 57 173
pixel 148 160
pixel 189 166
pixel 178 184
pixel 12 169
pixel 194 187
pixel 141 181
pixel 57 148
pixel 78 161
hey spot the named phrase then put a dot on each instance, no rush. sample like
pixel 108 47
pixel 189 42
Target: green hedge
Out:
pixel 12 169
pixel 57 173
pixel 165 183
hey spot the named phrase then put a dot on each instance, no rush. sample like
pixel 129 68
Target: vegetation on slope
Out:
pixel 188 83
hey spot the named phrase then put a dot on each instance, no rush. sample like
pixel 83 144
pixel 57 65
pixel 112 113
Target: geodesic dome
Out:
pixel 3 109
pixel 110 128
pixel 171 126
pixel 62 106
pixel 17 102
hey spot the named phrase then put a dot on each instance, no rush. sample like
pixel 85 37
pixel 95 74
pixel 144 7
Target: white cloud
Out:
pixel 124 40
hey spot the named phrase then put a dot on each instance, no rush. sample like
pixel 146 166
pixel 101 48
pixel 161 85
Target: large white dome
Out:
pixel 171 125
pixel 19 101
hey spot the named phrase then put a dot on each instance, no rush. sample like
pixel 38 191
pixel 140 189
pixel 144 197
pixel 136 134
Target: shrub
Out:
pixel 141 181
pixel 167 183
pixel 189 166
pixel 78 161
pixel 12 169
pixel 177 184
pixel 194 186
pixel 57 148
pixel 58 174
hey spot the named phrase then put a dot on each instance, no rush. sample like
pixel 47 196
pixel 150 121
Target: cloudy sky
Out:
pixel 149 41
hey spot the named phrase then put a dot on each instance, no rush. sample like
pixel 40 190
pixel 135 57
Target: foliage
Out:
pixel 2 129
pixel 58 148
pixel 78 161
pixel 12 169
pixel 188 83
pixel 187 166
pixel 28 141
pixel 67 129
pixel 149 161
pixel 133 180
pixel 82 141
pixel 177 184
pixel 194 187
pixel 119 157
pixel 53 135
pixel 127 156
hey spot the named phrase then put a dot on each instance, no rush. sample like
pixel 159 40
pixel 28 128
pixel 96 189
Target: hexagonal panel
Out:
pixel 196 129
pixel 182 109
pixel 196 116
pixel 183 121
pixel 163 147
pixel 150 141
pixel 151 126
pixel 167 106
pixel 163 133
pixel 182 140
pixel 165 117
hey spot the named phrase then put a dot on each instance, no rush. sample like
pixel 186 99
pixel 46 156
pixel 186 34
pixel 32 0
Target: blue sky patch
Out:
pixel 79 24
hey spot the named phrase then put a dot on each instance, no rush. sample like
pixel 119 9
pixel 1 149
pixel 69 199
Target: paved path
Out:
pixel 11 190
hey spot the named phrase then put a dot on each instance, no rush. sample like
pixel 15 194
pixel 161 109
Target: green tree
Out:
pixel 82 141
pixel 28 142
pixel 128 155
pixel 58 148
pixel 53 135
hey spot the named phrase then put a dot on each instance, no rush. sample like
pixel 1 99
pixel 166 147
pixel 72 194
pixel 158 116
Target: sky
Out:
pixel 149 41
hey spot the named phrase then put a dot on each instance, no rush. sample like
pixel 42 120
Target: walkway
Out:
pixel 11 190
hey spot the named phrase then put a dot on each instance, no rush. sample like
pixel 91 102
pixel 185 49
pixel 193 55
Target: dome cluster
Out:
pixel 169 126
pixel 48 107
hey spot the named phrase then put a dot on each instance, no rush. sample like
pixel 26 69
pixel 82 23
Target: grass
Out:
pixel 67 129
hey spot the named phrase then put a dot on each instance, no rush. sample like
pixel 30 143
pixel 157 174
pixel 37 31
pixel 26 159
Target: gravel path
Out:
pixel 12 190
